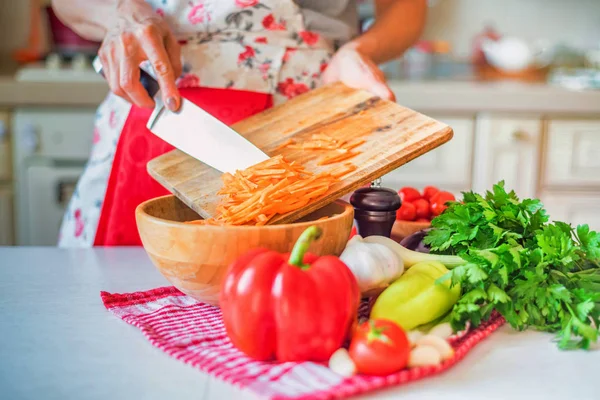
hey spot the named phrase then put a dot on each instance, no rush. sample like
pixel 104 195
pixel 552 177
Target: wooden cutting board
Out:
pixel 394 136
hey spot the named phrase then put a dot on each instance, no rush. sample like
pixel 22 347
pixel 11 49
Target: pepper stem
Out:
pixel 302 244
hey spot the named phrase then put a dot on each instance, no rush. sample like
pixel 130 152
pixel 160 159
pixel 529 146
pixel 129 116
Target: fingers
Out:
pixel 111 70
pixel 174 51
pixel 130 83
pixel 358 72
pixel 153 45
pixel 129 78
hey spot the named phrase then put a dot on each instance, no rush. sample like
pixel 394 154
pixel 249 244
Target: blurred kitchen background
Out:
pixel 526 110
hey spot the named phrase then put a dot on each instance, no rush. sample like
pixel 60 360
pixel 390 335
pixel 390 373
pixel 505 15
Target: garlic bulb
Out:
pixel 373 264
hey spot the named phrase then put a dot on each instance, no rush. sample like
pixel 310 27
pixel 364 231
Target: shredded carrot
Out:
pixel 274 187
pixel 343 170
pixel 354 144
pixel 337 157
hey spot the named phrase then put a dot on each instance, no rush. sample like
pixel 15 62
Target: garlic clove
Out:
pixel 422 356
pixel 341 363
pixel 414 336
pixel 443 330
pixel 441 345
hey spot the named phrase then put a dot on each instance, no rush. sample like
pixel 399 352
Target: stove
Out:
pixel 57 68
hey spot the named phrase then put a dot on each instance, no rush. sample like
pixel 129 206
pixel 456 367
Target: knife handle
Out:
pixel 148 82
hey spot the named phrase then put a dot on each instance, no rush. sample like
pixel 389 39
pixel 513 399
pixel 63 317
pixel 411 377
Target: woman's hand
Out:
pixel 356 70
pixel 137 35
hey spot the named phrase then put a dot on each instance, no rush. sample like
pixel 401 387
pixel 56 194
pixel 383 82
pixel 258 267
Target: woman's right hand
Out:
pixel 139 34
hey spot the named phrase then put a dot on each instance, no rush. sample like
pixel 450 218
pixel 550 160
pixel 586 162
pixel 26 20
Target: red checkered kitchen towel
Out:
pixel 194 333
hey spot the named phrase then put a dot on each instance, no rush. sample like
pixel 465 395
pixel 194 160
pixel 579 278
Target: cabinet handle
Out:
pixel 520 136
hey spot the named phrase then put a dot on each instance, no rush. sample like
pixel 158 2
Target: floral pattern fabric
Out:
pixel 253 45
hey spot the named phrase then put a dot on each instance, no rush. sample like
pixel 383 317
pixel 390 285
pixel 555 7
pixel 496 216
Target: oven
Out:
pixel 50 149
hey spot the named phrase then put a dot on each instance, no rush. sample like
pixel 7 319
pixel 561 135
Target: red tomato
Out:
pixel 409 194
pixel 407 212
pixel 379 347
pixel 422 208
pixel 353 232
pixel 424 220
pixel 438 202
pixel 429 191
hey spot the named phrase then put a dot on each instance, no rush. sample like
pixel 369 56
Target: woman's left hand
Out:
pixel 357 71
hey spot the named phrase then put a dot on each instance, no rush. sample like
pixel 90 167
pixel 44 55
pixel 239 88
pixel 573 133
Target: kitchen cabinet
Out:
pixel 572 154
pixel 5 158
pixel 507 148
pixel 448 166
pixel 6 216
pixel 49 154
pixel 574 207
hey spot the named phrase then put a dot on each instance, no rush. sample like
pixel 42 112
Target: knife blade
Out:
pixel 197 133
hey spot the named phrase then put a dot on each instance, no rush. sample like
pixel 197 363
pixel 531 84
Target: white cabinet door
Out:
pixel 573 155
pixel 507 149
pixel 574 208
pixel 5 158
pixel 49 190
pixel 6 217
pixel 448 166
pixel 62 134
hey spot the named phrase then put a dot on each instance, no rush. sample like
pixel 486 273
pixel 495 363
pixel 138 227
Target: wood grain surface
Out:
pixel 394 135
pixel 194 258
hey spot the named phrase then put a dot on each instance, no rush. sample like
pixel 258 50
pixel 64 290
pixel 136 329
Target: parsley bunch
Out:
pixel 537 274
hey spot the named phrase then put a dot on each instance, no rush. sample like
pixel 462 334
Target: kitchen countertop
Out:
pixel 463 94
pixel 78 92
pixel 59 342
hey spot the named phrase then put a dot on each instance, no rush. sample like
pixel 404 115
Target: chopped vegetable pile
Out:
pixel 274 187
pixel 537 274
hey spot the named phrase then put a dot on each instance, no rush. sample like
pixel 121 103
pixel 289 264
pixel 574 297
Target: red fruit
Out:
pixel 438 202
pixel 353 232
pixel 379 347
pixel 407 212
pixel 422 208
pixel 424 220
pixel 409 194
pixel 429 192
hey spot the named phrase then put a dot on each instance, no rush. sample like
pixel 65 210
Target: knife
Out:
pixel 196 132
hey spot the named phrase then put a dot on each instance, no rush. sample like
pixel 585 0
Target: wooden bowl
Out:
pixel 194 258
pixel 402 229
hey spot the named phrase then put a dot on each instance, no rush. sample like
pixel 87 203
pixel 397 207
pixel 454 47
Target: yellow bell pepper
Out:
pixel 415 298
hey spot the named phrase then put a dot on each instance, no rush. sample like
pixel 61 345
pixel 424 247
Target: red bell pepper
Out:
pixel 301 309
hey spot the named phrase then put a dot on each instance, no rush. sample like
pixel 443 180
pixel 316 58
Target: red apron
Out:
pixel 129 184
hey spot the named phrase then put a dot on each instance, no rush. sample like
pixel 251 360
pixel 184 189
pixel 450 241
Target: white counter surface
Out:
pixel 469 96
pixel 59 342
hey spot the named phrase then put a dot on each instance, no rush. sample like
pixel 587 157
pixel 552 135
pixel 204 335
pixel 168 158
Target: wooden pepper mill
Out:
pixel 375 209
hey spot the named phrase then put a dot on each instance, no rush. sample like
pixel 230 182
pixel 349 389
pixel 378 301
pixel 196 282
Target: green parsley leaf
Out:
pixel 537 274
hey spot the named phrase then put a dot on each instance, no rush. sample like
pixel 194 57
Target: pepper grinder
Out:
pixel 375 209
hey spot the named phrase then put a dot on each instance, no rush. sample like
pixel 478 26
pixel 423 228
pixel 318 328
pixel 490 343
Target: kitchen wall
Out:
pixel 572 22
pixel 14 24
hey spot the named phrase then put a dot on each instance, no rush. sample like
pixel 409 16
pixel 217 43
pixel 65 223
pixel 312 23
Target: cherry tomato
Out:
pixel 406 212
pixel 422 207
pixel 409 194
pixel 423 220
pixel 438 202
pixel 353 232
pixel 429 191
pixel 379 347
